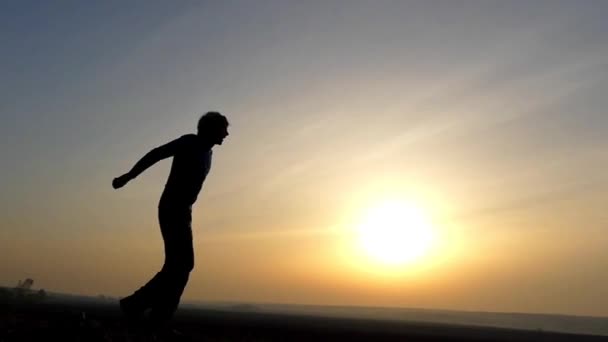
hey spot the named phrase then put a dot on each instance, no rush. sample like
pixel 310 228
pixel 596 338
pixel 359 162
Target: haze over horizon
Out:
pixel 488 115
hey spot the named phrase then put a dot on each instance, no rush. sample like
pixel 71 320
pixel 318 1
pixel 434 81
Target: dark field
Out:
pixel 90 321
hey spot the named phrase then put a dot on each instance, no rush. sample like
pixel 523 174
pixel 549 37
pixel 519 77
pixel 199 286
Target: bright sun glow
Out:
pixel 395 233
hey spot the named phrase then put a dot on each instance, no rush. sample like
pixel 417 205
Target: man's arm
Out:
pixel 155 155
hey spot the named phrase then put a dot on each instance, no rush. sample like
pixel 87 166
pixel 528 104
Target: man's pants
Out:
pixel 163 292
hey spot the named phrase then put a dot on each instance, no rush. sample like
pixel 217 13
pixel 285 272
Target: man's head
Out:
pixel 213 127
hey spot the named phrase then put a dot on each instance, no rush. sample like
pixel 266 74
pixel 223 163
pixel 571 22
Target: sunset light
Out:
pixel 395 233
pixel 208 165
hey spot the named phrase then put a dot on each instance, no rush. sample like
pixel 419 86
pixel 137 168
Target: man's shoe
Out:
pixel 133 311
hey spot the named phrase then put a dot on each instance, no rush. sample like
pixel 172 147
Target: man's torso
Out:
pixel 189 168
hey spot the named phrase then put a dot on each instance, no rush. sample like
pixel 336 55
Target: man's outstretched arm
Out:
pixel 157 154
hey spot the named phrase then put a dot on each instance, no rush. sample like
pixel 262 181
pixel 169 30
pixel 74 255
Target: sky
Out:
pixel 489 116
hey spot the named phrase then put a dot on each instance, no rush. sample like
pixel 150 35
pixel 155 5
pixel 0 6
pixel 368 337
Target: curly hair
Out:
pixel 211 120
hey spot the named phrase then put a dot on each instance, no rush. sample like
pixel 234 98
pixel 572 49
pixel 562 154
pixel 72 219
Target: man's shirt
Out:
pixel 190 166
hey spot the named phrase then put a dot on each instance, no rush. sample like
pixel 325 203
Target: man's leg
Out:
pixel 179 262
pixel 165 306
pixel 141 300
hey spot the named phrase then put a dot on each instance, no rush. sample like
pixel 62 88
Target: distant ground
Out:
pixel 510 320
pixel 70 319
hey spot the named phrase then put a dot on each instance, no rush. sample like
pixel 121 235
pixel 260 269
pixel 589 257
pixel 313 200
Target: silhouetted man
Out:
pixel 191 163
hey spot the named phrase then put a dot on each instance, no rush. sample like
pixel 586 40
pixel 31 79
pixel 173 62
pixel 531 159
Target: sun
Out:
pixel 395 233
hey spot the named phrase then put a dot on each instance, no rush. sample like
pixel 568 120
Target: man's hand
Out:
pixel 119 182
